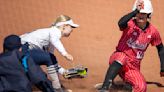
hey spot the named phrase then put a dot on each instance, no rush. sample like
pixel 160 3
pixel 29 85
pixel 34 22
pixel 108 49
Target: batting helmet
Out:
pixel 147 6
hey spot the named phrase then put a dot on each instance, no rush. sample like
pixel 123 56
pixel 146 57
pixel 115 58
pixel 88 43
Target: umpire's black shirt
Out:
pixel 12 75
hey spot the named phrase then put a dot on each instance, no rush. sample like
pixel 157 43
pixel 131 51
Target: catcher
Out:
pixel 17 71
pixel 137 34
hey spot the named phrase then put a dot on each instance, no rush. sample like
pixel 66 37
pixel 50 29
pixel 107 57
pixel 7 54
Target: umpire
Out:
pixel 18 71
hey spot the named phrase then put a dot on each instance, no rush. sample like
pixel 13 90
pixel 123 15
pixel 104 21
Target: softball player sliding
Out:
pixel 47 39
pixel 137 34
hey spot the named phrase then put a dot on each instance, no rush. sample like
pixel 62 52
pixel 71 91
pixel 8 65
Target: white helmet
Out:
pixel 147 6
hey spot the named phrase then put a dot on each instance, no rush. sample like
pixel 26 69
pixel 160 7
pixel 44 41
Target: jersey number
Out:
pixel 140 55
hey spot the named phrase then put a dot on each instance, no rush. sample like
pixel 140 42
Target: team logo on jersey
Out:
pixel 136 45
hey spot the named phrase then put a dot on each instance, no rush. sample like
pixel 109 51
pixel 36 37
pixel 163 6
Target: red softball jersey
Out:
pixel 134 41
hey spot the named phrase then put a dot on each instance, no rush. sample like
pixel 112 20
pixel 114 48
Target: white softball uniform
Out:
pixel 46 39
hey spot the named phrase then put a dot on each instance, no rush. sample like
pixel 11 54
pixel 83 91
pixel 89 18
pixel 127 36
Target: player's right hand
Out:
pixel 140 5
pixel 162 73
pixel 69 57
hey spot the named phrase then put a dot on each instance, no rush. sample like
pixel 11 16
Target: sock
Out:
pixel 54 77
pixel 111 74
pixel 60 69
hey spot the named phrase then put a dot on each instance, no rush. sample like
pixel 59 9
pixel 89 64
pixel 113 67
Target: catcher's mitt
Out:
pixel 76 72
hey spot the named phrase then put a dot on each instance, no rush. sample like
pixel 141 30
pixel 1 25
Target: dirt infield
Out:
pixel 92 43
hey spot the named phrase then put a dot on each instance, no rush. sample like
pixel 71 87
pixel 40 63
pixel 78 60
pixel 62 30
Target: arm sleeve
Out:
pixel 160 49
pixel 55 41
pixel 123 22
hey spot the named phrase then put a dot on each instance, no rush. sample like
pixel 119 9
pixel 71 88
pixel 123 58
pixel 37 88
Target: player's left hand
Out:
pixel 162 73
pixel 69 57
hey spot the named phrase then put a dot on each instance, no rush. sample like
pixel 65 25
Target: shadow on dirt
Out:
pixel 119 86
pixel 155 83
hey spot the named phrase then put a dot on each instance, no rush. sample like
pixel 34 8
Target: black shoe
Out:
pixel 59 90
pixel 103 90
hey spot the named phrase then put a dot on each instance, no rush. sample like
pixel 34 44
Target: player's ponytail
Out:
pixel 61 18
